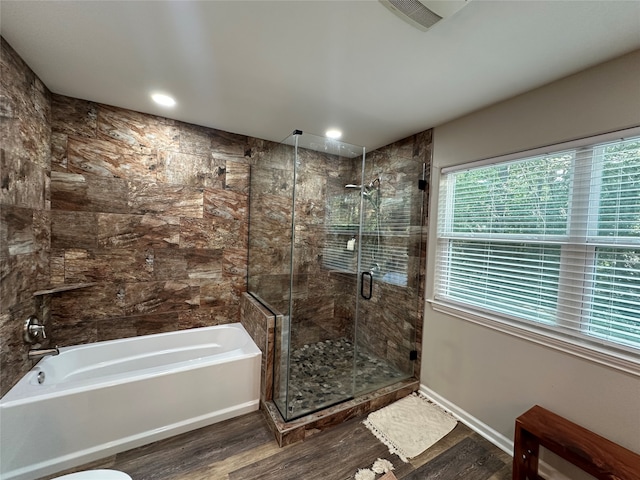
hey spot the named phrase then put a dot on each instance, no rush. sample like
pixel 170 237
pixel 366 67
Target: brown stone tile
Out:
pixel 58 151
pixel 223 204
pixel 73 332
pixel 194 139
pixel 107 158
pixel 138 131
pixel 259 323
pixel 237 177
pixel 150 297
pixel 116 328
pixel 70 191
pixel 73 229
pixel 204 265
pixel 205 317
pixel 76 306
pixel 22 181
pixel 234 263
pixel 155 323
pixel 21 276
pixel 42 229
pixel 162 199
pixel 13 351
pixel 209 233
pixel 72 116
pixel 16 231
pixel 56 267
pixel 228 146
pixel 218 293
pixel 26 112
pixel 188 169
pixel 138 231
pixel 170 264
pixel 112 265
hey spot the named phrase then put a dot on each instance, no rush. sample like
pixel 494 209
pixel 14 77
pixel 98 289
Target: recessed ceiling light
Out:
pixel 333 133
pixel 164 100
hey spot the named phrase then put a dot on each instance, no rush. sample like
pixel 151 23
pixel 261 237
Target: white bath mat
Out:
pixel 410 425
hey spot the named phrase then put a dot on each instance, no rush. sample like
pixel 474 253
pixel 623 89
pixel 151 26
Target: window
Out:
pixel 547 242
pixel 384 236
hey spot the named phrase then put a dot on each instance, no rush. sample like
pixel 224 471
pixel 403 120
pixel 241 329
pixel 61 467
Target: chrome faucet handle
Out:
pixel 38 330
pixel 33 330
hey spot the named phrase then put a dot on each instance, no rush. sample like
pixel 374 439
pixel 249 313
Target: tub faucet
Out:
pixel 42 352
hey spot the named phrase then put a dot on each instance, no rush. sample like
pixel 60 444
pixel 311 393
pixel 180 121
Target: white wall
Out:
pixel 492 376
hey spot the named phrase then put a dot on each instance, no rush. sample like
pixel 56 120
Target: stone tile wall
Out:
pixel 153 210
pixel 25 136
pixel 260 323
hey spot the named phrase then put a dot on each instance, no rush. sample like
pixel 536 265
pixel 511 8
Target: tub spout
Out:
pixel 43 352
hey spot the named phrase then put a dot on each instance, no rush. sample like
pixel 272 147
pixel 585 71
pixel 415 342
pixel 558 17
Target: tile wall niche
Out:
pixel 25 137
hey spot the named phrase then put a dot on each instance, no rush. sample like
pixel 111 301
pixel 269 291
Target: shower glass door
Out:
pixel 317 337
pixel 388 301
pixel 334 253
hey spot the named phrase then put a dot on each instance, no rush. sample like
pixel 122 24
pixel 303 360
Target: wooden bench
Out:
pixel 592 453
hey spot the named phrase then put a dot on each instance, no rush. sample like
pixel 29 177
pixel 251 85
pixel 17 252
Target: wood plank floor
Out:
pixel 243 448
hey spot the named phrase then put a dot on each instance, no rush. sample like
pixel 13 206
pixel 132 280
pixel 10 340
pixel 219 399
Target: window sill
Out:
pixel 621 360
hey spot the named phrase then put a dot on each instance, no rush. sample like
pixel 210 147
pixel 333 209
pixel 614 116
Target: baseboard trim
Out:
pixel 503 443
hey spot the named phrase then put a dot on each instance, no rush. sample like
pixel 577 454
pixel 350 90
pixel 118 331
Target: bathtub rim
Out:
pixel 25 391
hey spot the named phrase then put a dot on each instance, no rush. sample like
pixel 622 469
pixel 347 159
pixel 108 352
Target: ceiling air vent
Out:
pixel 419 15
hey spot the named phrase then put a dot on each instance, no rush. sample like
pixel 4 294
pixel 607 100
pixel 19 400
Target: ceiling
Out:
pixel 263 68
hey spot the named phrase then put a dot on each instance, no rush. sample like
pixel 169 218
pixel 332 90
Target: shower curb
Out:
pixel 297 430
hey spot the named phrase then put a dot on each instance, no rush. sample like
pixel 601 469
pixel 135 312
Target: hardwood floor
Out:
pixel 243 448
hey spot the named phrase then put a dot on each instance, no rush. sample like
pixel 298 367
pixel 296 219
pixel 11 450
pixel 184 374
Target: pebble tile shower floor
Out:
pixel 321 375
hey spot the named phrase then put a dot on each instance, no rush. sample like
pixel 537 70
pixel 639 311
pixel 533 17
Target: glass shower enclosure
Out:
pixel 334 254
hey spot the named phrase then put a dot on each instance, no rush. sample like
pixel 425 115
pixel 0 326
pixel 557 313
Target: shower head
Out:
pixel 372 184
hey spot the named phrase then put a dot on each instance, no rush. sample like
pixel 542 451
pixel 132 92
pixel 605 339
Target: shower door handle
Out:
pixel 370 285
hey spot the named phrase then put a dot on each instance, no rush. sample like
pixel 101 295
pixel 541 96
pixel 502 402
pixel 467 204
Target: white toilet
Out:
pixel 95 475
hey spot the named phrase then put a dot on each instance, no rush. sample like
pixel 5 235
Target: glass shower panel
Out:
pixel 271 220
pixel 322 318
pixel 335 254
pixel 388 304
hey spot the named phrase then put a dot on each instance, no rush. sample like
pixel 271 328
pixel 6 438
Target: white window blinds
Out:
pixel 551 241
pixel 383 241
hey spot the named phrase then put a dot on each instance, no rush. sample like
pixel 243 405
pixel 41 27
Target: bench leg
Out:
pixel 525 455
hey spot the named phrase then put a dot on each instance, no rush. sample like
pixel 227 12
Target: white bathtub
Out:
pixel 102 398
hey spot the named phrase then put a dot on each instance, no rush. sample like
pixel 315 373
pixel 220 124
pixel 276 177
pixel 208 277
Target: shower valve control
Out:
pixel 33 330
